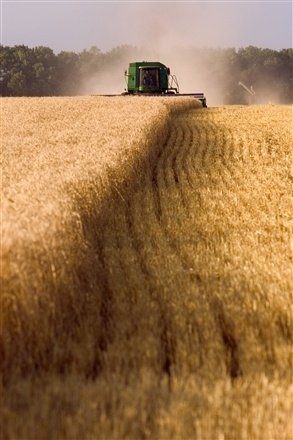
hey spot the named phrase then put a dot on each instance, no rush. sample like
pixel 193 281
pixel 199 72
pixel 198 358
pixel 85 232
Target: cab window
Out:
pixel 149 77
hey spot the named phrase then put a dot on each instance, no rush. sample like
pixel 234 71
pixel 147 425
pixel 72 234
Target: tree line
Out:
pixel 39 71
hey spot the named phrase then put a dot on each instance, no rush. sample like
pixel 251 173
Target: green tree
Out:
pixel 45 72
pixel 17 84
pixel 68 68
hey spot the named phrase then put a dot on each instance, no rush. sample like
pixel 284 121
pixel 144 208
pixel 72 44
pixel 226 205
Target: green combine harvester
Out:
pixel 153 79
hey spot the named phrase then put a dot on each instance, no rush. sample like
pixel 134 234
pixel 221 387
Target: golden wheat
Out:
pixel 152 297
pixel 61 156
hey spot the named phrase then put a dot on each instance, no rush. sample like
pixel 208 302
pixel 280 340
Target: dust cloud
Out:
pixel 108 80
pixel 161 34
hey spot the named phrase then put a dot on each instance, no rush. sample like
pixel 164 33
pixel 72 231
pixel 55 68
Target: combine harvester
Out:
pixel 154 79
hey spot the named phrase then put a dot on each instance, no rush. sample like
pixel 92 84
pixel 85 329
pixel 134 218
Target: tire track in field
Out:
pixel 214 142
pixel 206 150
pixel 147 221
pixel 168 186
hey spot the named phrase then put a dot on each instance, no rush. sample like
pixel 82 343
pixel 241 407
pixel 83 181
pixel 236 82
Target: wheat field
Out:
pixel 146 267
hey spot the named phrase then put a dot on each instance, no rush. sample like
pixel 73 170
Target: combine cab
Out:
pixel 154 78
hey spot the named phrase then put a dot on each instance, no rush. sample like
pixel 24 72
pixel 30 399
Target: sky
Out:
pixel 77 25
